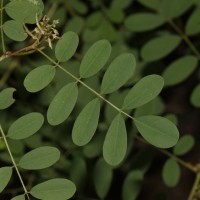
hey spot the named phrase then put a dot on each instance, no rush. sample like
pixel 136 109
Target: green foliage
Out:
pixel 39 78
pixel 57 188
pixel 6 98
pixel 92 101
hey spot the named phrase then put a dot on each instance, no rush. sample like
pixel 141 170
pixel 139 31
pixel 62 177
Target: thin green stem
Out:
pixel 185 38
pixel 1 24
pixel 194 194
pixel 14 163
pixel 116 108
pixel 180 161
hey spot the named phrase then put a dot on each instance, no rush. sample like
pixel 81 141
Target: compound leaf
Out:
pixel 25 126
pixel 86 123
pixel 57 188
pixel 132 185
pixel 39 158
pixel 29 7
pixel 39 78
pixel 183 68
pixel 184 145
pixel 140 22
pixel 95 58
pixel 5 176
pixel 159 47
pixel 115 144
pixel 158 131
pixel 102 178
pixel 14 30
pixel 6 98
pixel 144 91
pixel 62 104
pixel 171 173
pixel 66 46
pixel 118 73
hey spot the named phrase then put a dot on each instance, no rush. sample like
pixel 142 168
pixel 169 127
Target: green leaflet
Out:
pixel 5 176
pixel 102 178
pixel 26 126
pixel 78 171
pixel 152 4
pixel 14 30
pixel 39 158
pixel 195 96
pixel 120 5
pixel 158 131
pixel 62 104
pixel 174 8
pixel 182 67
pixel 159 47
pixel 171 173
pixel 29 7
pixel 132 185
pixel 184 145
pixel 141 22
pixel 115 143
pixel 39 78
pixel 115 15
pixel 192 26
pixel 58 188
pixel 144 91
pixel 66 46
pixel 6 98
pixel 95 58
pixel 118 73
pixel 86 123
pixel 19 197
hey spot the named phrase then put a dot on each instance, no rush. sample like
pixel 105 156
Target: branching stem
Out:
pixel 14 163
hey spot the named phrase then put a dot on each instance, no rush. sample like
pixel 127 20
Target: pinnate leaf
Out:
pixel 39 158
pixel 57 188
pixel 14 30
pixel 62 104
pixel 171 173
pixel 102 178
pixel 5 175
pixel 6 98
pixel 184 145
pixel 39 78
pixel 25 126
pixel 86 123
pixel 95 58
pixel 159 47
pixel 115 144
pixel 118 73
pixel 140 22
pixel 158 131
pixel 66 46
pixel 144 91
